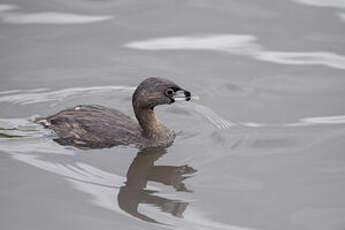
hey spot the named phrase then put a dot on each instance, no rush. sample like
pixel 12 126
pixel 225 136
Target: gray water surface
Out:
pixel 262 149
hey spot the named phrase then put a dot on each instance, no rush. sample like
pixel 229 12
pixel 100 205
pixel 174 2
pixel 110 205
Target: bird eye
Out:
pixel 169 92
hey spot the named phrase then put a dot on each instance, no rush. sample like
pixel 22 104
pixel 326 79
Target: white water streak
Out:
pixel 212 117
pixel 52 18
pixel 57 18
pixel 225 42
pixel 305 58
pixel 324 120
pixel 308 121
pixel 240 45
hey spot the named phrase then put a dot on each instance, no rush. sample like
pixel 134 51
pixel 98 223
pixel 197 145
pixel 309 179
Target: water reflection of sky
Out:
pixel 8 15
pixel 241 45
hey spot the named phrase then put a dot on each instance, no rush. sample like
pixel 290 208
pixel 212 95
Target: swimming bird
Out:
pixel 96 126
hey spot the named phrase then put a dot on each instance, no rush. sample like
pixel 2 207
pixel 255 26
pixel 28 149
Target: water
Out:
pixel 262 149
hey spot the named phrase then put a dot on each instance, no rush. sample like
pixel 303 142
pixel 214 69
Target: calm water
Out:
pixel 262 149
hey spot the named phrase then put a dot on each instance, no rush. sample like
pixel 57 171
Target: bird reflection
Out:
pixel 140 172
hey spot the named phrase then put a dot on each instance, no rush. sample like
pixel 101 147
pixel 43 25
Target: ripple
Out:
pixel 58 18
pixel 240 45
pixel 43 95
pixel 212 117
pixel 20 135
pixel 325 120
pixel 86 178
pixel 305 58
pixel 313 121
pixel 52 18
pixel 225 42
pixel 308 121
pixel 103 186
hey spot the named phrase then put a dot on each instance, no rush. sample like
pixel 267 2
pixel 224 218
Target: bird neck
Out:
pixel 152 127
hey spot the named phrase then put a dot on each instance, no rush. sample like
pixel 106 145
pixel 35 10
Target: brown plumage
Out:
pixel 95 126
